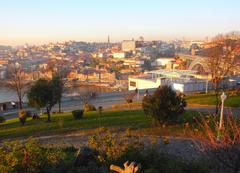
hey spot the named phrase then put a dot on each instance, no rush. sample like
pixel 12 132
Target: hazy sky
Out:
pixel 43 21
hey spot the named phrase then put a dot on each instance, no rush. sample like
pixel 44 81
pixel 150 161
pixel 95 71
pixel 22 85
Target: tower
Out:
pixel 108 45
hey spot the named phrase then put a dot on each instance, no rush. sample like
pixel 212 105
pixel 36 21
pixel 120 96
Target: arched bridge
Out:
pixel 196 63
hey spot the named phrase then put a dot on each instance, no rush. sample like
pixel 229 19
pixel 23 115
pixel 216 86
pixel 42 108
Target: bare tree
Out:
pixel 220 144
pixel 222 61
pixel 128 96
pixel 17 82
pixel 87 96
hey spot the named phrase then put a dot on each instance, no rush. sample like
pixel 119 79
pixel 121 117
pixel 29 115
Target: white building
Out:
pixel 180 80
pixel 119 55
pixel 164 61
pixel 133 62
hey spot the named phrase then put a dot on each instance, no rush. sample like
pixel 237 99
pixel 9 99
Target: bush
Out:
pixel 28 157
pixel 89 107
pixel 2 119
pixel 164 105
pixel 112 147
pixel 77 114
pixel 116 149
pixel 28 114
pixel 22 115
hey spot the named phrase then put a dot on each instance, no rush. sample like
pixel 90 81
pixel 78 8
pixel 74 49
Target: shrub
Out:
pixel 221 144
pixel 77 114
pixel 116 149
pixel 2 119
pixel 89 107
pixel 112 147
pixel 164 105
pixel 28 157
pixel 22 115
pixel 28 114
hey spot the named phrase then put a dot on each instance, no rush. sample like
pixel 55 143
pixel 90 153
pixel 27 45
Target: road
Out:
pixel 106 100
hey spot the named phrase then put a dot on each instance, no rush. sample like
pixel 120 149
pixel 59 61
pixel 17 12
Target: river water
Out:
pixel 8 95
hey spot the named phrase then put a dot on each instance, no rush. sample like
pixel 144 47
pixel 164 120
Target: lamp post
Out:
pixel 223 98
pixel 137 91
pixel 206 86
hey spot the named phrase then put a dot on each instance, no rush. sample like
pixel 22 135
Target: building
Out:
pixel 119 55
pixel 128 45
pixel 164 61
pixel 3 72
pixel 180 80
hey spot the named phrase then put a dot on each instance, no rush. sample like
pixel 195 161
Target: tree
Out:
pixel 58 85
pixel 87 95
pixel 128 96
pixel 17 82
pixel 222 61
pixel 147 65
pixel 42 94
pixel 223 145
pixel 164 105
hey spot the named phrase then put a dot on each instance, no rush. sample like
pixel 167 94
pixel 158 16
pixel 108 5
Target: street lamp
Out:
pixel 223 98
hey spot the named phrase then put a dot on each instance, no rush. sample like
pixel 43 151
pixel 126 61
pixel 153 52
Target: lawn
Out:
pixel 63 123
pixel 209 99
pixel 135 120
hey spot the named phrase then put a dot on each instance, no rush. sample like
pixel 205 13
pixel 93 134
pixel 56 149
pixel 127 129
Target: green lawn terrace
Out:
pixel 210 99
pixel 116 120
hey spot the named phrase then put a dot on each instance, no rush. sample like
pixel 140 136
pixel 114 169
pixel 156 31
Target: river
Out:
pixel 7 94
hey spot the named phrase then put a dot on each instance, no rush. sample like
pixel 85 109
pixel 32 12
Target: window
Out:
pixel 132 84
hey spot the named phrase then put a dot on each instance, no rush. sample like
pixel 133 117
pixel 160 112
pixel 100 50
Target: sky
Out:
pixel 44 21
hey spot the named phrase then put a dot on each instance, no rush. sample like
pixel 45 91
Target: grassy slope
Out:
pixel 64 123
pixel 209 99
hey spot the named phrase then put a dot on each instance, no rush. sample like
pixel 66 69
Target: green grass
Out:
pixel 210 99
pixel 63 123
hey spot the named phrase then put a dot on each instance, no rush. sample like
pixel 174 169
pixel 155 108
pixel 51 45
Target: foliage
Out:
pixel 222 62
pixel 164 105
pixel 2 119
pixel 112 147
pixel 147 65
pixel 77 114
pixel 128 96
pixel 57 84
pixel 116 149
pixel 31 157
pixel 42 94
pixel 221 144
pixel 28 114
pixel 22 115
pixel 17 81
pixel 89 107
pixel 87 96
pixel 27 157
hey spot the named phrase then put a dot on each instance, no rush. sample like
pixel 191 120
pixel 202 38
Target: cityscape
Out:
pixel 124 87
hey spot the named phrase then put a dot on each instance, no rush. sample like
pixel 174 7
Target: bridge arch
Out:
pixel 199 65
